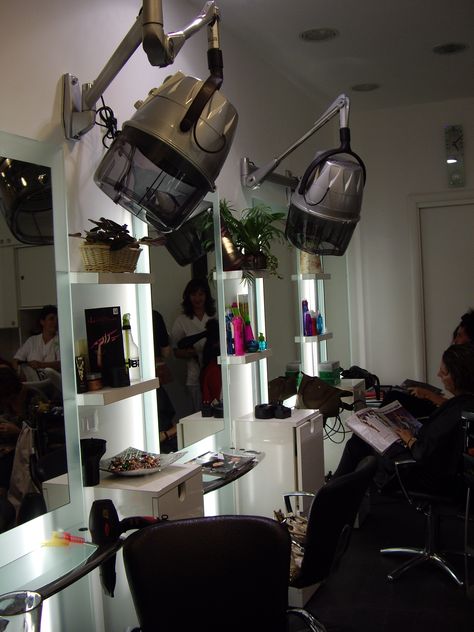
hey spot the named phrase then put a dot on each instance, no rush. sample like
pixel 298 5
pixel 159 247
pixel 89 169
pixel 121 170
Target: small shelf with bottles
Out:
pixel 247 358
pixel 111 395
pixel 110 278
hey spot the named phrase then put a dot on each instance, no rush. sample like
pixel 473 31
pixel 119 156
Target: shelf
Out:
pixel 326 336
pixel 235 275
pixel 244 359
pixel 317 276
pixel 110 278
pixel 111 395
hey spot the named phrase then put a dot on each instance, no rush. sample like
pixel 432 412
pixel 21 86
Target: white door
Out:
pixel 447 244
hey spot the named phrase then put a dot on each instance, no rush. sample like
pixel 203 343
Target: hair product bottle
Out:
pixel 132 361
pixel 239 341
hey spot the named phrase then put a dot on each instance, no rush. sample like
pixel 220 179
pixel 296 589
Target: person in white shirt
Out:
pixel 42 350
pixel 198 306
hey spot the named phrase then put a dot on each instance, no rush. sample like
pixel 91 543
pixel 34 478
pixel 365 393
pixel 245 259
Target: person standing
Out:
pixel 198 307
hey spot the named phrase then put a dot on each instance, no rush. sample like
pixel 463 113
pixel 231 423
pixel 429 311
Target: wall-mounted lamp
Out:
pixel 168 155
pixel 325 204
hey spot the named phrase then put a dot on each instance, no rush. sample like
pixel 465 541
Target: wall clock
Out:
pixel 454 143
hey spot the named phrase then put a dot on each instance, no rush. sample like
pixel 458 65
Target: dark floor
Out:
pixel 359 598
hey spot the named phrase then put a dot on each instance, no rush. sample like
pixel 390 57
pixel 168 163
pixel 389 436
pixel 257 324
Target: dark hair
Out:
pixel 193 286
pixel 10 383
pixel 47 310
pixel 467 323
pixel 459 362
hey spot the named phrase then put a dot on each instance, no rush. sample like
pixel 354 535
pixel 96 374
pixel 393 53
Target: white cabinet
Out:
pixel 8 303
pixel 294 459
pixel 175 492
pixel 36 276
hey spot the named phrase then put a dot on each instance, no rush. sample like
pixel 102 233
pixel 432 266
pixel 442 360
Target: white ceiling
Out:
pixel 388 42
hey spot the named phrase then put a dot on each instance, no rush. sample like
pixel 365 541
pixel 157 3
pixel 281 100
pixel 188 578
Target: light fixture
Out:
pixel 325 204
pixel 168 155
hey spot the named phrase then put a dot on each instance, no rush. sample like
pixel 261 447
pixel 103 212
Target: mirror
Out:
pixel 181 258
pixel 28 282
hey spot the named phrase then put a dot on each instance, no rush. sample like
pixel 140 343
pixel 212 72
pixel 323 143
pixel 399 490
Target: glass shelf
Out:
pixel 233 275
pixel 317 276
pixel 110 278
pixel 111 395
pixel 43 566
pixel 326 336
pixel 244 359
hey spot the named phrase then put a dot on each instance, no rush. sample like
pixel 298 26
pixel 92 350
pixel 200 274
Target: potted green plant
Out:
pixel 254 233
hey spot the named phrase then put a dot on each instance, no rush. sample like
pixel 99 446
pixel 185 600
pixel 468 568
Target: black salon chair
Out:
pixel 228 572
pixel 449 500
pixel 331 517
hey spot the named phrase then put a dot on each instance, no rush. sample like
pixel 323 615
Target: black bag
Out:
pixel 371 380
pixel 317 394
pixel 281 388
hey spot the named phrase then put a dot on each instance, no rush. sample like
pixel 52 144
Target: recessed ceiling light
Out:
pixel 450 49
pixel 319 35
pixel 365 87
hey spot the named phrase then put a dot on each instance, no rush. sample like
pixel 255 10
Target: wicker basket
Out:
pixel 99 258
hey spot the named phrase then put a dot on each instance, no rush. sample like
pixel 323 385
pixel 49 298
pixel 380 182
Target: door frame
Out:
pixel 416 203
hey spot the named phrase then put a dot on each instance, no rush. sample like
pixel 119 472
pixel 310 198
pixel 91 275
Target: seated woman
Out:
pixel 438 446
pixel 420 401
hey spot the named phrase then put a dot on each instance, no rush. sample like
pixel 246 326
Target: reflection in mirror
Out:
pixel 184 256
pixel 32 432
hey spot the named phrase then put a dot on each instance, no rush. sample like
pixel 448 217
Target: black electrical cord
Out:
pixel 106 115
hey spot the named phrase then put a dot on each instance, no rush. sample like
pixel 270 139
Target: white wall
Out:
pixel 404 153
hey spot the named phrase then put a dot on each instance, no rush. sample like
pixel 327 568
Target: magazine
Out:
pixel 223 464
pixel 377 426
pixel 413 383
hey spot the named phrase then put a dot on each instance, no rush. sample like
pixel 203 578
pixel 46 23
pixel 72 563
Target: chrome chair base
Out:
pixel 419 557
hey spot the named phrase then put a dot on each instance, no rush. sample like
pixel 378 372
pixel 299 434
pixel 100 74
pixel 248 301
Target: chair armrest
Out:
pixel 290 495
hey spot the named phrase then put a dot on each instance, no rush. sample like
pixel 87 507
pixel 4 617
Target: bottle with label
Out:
pixel 132 360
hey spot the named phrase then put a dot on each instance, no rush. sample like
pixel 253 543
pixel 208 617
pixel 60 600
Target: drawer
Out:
pixel 183 501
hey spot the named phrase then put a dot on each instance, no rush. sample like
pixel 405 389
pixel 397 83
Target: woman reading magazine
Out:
pixel 438 444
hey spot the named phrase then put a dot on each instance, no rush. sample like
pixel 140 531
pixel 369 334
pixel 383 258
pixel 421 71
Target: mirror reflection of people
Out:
pixel 40 351
pixel 198 307
pixel 211 376
pixel 438 445
pixel 166 411
pixel 16 405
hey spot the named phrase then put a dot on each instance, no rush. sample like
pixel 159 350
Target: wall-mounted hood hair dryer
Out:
pixel 325 204
pixel 169 154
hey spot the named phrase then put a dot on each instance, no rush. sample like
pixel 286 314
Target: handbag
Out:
pixel 356 372
pixel 281 388
pixel 318 394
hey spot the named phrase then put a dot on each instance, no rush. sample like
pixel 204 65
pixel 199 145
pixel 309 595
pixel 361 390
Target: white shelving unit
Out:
pixel 111 395
pixel 110 278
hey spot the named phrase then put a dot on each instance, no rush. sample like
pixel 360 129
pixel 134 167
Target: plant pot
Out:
pixel 255 262
pixel 100 258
